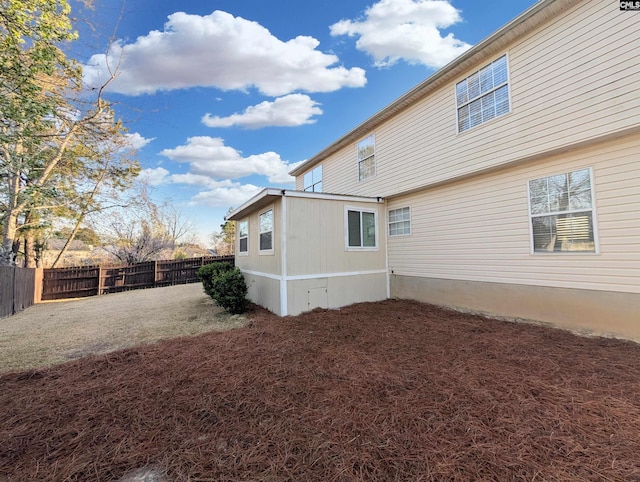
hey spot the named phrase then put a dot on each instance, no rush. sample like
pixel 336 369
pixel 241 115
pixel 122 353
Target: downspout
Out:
pixel 386 246
pixel 284 300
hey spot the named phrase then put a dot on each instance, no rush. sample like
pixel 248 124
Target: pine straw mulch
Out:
pixel 386 391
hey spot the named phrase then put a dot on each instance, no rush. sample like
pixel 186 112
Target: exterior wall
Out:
pixel 263 291
pixel 316 238
pixel 263 263
pixel 334 292
pixel 585 311
pixel 478 229
pixel 585 90
pixel 321 272
pixel 470 245
pixel 318 270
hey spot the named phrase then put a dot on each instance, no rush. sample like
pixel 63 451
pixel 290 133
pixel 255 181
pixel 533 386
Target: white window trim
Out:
pixel 243 253
pixel 389 223
pixel 346 229
pixel 455 95
pixel 270 251
pixel 594 219
pixel 359 161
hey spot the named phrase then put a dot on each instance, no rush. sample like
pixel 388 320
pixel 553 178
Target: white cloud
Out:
pixel 406 29
pixel 209 157
pixel 290 110
pixel 154 177
pixel 225 196
pixel 136 141
pixel 223 51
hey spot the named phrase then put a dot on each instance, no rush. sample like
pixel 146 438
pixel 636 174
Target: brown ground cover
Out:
pixel 384 391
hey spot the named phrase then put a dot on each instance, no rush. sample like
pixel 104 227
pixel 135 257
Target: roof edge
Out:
pixel 530 19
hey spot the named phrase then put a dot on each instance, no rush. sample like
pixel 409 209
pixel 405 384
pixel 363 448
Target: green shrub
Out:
pixel 226 285
pixel 209 272
pixel 230 291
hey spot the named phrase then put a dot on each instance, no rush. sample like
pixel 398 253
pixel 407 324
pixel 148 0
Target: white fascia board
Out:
pixel 333 197
pixel 240 212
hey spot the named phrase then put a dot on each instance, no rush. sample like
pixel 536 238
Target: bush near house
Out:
pixel 225 284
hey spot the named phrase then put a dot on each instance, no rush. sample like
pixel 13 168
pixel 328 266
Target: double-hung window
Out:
pixel 243 237
pixel 399 221
pixel 265 223
pixel 313 179
pixel 484 95
pixel 367 157
pixel 361 228
pixel 562 213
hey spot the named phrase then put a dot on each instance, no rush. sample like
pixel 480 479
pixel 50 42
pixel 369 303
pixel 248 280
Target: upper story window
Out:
pixel 562 213
pixel 367 157
pixel 399 221
pixel 313 179
pixel 243 236
pixel 265 223
pixel 483 95
pixel 361 229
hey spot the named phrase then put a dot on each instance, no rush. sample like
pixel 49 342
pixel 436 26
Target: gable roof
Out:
pixel 540 13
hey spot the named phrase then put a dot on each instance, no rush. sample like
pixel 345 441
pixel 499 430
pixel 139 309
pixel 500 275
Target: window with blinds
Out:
pixel 562 213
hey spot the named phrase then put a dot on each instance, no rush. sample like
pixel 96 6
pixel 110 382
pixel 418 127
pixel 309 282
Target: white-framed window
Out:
pixel 484 95
pixel 313 179
pixel 243 238
pixel 265 223
pixel 400 221
pixel 367 157
pixel 361 229
pixel 562 213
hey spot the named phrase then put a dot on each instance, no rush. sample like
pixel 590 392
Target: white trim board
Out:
pixel 313 276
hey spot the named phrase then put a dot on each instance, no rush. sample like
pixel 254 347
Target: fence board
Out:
pixel 16 289
pixel 61 283
pixel 6 290
pixel 25 279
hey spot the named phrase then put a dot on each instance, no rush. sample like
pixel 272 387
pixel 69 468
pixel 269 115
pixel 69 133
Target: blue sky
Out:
pixel 224 97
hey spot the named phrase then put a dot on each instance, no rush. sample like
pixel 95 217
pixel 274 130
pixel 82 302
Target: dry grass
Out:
pixel 51 333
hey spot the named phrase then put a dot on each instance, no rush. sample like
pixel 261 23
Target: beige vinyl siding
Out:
pixel 316 238
pixel 264 263
pixel 478 229
pixel 573 80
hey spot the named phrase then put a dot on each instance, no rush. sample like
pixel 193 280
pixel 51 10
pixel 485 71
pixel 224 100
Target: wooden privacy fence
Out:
pixel 19 289
pixel 77 282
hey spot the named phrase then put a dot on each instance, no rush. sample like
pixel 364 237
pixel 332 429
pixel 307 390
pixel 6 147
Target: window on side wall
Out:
pixel 562 213
pixel 367 157
pixel 400 221
pixel 265 223
pixel 243 237
pixel 361 228
pixel 484 95
pixel 313 180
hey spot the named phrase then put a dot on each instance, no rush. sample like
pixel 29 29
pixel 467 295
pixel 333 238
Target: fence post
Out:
pixel 38 285
pixel 100 284
pixel 155 272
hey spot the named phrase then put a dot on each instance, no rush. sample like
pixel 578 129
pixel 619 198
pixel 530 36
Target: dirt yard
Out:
pixel 390 391
pixel 50 333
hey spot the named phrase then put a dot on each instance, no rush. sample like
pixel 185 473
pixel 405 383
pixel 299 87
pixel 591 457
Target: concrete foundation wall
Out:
pixel 595 312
